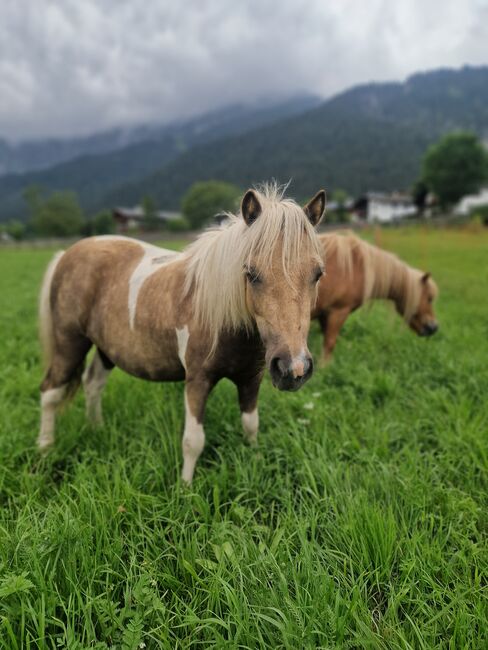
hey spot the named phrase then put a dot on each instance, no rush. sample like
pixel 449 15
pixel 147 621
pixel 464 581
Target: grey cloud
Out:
pixel 70 67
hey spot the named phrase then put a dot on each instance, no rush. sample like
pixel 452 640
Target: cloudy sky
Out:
pixel 78 66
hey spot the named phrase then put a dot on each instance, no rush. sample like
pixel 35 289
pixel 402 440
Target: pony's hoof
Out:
pixel 324 362
pixel 44 445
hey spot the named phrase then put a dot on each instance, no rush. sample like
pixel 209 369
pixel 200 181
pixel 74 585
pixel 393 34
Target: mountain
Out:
pixel 93 176
pixel 33 155
pixel 371 137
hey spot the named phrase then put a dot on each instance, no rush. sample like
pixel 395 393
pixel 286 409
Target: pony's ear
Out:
pixel 250 207
pixel 424 279
pixel 315 208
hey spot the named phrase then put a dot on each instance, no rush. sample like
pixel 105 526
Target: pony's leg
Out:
pixel 196 393
pixel 60 383
pixel 248 402
pixel 51 399
pixel 323 319
pixel 94 380
pixel 334 322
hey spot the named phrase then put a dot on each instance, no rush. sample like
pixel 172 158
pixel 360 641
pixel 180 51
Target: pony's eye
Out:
pixel 318 274
pixel 430 299
pixel 252 276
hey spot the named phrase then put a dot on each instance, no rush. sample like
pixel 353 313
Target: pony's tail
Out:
pixel 46 334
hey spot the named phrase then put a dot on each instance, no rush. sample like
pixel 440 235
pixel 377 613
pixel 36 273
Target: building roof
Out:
pixel 137 213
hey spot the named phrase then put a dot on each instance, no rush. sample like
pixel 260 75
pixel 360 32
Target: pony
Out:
pixel 358 272
pixel 233 303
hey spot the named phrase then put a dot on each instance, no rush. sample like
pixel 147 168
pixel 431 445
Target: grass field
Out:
pixel 360 521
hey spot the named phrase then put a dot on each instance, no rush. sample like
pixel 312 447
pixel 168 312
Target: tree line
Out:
pixel 453 167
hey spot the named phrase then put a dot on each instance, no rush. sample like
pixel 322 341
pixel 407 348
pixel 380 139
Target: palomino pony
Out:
pixel 234 302
pixel 358 272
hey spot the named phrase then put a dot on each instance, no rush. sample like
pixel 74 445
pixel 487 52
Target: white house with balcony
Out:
pixel 469 203
pixel 387 208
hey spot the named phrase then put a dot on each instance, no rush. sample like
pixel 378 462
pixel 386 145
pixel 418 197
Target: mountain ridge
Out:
pixel 369 137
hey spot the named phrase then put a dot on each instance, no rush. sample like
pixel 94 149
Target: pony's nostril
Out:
pixel 277 366
pixel 282 366
pixel 308 365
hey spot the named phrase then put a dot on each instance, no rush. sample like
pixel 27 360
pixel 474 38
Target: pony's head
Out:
pixel 281 273
pixel 260 271
pixel 423 320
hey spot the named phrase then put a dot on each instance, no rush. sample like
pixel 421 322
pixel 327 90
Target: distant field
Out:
pixel 360 522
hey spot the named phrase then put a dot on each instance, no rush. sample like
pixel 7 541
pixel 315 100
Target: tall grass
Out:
pixel 360 521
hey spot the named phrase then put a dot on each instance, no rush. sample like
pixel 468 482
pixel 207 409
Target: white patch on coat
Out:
pixel 153 259
pixel 192 445
pixel 182 334
pixel 250 424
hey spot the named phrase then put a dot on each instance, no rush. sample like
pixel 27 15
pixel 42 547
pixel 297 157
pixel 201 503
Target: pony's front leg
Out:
pixel 196 393
pixel 248 402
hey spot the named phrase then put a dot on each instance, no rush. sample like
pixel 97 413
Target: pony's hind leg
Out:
pixel 60 383
pixel 94 380
pixel 51 400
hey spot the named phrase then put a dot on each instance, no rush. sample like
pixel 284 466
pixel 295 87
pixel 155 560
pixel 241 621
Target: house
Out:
pixel 468 203
pixel 133 218
pixel 387 208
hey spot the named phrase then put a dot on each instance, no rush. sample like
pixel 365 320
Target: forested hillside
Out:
pixel 370 137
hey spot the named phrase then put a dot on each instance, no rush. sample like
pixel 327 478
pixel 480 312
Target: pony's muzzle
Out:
pixel 429 328
pixel 290 374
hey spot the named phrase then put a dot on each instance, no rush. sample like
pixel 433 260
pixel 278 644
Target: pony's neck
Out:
pixel 391 280
pixel 397 292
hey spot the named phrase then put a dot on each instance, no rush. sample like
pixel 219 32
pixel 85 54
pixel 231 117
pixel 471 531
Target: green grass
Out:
pixel 360 522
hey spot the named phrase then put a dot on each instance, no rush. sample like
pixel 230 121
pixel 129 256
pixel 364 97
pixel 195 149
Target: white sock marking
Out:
pixel 193 444
pixel 250 424
pixel 50 401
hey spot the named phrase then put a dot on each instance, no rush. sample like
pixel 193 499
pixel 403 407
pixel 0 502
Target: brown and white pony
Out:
pixel 234 302
pixel 358 272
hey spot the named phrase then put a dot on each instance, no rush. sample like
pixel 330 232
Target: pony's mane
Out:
pixel 384 272
pixel 216 260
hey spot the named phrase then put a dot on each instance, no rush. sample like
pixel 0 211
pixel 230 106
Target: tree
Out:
pixel 151 221
pixel 103 223
pixel 420 192
pixel 16 229
pixel 340 197
pixel 455 166
pixel 205 199
pixel 59 215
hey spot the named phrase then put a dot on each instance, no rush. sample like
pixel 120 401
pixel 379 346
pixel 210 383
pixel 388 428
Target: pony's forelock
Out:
pixel 216 260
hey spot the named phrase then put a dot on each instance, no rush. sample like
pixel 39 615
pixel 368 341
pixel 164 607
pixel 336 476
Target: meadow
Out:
pixel 359 522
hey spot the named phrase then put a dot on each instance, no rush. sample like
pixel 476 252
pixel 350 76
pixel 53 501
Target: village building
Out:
pixel 472 201
pixel 377 207
pixel 127 219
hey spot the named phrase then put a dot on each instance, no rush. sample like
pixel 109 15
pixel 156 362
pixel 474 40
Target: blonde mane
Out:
pixel 216 260
pixel 385 274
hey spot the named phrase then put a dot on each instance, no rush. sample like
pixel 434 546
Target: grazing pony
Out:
pixel 358 272
pixel 235 301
